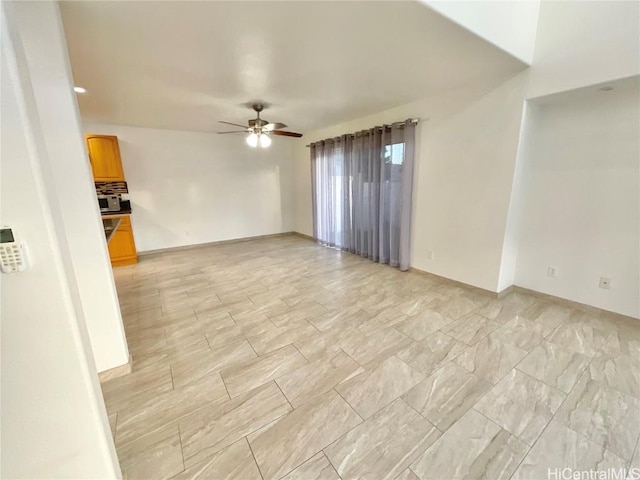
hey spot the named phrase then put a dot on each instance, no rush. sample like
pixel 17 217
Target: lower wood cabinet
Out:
pixel 122 246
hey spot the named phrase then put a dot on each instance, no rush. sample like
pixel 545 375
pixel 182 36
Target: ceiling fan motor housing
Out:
pixel 257 122
pixel 257 126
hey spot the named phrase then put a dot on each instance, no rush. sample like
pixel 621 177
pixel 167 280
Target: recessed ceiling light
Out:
pixel 79 90
pixel 608 88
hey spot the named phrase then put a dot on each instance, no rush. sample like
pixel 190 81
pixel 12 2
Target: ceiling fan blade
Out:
pixel 273 126
pixel 234 131
pixel 285 134
pixel 234 124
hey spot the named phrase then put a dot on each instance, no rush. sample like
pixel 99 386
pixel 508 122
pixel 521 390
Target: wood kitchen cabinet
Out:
pixel 104 155
pixel 122 246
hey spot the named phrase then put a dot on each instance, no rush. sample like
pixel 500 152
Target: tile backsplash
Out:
pixel 108 188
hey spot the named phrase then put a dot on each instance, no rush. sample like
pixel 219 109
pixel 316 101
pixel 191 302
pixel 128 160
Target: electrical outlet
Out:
pixel 605 283
pixel 430 254
pixel 552 271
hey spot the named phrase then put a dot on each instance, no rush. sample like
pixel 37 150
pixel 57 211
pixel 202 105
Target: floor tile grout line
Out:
pixel 579 374
pixel 300 464
pixel 419 413
pixel 633 451
pixel 224 385
pixel 173 386
pixel 493 385
pixel 530 447
pixel 246 339
pixel 285 397
pixel 246 439
pixel 582 373
pixel 604 447
pixel 322 450
pixel 564 395
pixel 501 427
pixel 335 468
pixel 350 406
pixel 184 466
pixel 303 356
pixel 636 397
pixel 553 418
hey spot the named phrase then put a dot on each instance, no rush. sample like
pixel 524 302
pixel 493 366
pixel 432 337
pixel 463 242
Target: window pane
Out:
pixel 394 153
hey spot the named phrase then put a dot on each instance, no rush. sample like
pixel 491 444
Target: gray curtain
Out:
pixel 362 187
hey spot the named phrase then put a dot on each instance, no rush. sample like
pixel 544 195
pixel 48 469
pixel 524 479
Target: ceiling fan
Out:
pixel 259 129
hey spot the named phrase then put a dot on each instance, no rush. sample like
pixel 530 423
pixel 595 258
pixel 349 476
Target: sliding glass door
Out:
pixel 362 192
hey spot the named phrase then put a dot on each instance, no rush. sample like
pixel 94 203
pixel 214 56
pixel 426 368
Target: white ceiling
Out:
pixel 186 65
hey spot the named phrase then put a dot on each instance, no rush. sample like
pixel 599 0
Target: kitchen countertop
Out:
pixel 121 213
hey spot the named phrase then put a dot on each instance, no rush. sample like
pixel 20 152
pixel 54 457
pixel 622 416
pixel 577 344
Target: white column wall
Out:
pixel 52 417
pixel 40 28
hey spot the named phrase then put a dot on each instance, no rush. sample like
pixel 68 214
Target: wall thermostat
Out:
pixel 12 258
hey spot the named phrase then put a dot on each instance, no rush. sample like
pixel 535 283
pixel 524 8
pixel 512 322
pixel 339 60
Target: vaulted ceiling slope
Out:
pixel 186 65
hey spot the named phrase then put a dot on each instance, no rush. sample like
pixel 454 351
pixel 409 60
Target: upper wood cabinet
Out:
pixel 104 155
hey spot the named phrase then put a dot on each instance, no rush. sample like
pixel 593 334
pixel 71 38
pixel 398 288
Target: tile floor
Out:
pixel 277 358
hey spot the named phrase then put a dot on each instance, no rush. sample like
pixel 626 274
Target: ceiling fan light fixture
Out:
pixel 260 130
pixel 252 140
pixel 264 141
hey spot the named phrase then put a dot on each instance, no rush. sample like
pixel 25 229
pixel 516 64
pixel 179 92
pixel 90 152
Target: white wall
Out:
pixel 53 421
pixel 465 160
pixel 190 188
pixel 582 199
pixel 509 25
pixel 515 213
pixel 581 43
pixel 41 33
